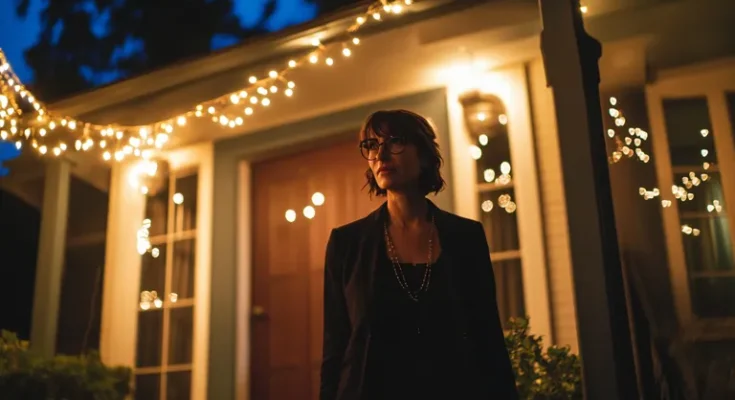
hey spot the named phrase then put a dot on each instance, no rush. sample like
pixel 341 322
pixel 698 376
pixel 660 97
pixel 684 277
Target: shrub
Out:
pixel 26 376
pixel 542 375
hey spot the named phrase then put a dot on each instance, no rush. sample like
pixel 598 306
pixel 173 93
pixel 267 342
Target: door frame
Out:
pixel 711 80
pixel 229 361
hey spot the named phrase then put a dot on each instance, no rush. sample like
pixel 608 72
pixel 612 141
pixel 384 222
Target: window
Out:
pixel 702 206
pixel 167 240
pixel 496 197
pixel 692 113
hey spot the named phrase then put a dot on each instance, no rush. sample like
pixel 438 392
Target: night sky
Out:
pixel 17 34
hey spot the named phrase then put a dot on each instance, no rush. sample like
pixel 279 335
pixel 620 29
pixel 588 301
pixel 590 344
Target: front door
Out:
pixel 291 226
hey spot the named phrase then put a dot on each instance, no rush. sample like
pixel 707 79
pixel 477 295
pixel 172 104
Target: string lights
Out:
pixel 25 119
pixel 630 146
pixel 317 199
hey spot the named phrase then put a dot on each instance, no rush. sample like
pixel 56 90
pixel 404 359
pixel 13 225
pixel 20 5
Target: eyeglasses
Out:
pixel 370 148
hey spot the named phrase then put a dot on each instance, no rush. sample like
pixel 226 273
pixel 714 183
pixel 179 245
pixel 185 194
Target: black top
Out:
pixel 352 311
pixel 412 348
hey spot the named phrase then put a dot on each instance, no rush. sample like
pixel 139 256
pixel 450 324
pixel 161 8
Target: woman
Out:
pixel 409 295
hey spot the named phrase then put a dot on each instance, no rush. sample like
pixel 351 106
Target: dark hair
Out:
pixel 417 131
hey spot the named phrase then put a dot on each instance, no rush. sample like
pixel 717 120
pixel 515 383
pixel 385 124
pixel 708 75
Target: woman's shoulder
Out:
pixel 351 229
pixel 458 222
pixel 360 226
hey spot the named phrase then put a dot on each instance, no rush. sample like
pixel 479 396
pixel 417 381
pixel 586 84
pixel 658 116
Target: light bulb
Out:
pixel 505 167
pixel 290 215
pixel 309 212
pixel 475 152
pixel 317 199
pixel 178 198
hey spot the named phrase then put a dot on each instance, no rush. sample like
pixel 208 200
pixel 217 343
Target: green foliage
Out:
pixel 26 376
pixel 553 374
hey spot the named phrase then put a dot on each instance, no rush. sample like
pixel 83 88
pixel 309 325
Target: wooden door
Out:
pixel 288 269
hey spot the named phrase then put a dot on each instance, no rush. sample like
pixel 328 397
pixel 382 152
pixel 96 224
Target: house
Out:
pixel 226 300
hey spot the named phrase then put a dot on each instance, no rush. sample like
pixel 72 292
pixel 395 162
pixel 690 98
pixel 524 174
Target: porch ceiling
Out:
pixel 27 172
pixel 25 180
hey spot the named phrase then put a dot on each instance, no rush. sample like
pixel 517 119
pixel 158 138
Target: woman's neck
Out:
pixel 407 209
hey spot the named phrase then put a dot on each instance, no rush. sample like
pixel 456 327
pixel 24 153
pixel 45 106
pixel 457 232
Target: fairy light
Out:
pixel 689 182
pixel 505 202
pixel 47 130
pixel 626 145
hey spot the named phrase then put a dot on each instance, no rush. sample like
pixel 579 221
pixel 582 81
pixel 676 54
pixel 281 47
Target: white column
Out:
pixel 120 296
pixel 50 262
pixel 571 63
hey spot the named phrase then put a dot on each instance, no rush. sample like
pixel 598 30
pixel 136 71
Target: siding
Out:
pixel 556 232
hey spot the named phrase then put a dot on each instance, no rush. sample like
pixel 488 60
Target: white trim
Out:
pixel 203 271
pixel 530 220
pixel 244 272
pixel 50 261
pixel 710 80
pixel 510 85
pixel 120 295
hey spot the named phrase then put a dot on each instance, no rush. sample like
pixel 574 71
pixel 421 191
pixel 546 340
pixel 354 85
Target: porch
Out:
pixel 442 54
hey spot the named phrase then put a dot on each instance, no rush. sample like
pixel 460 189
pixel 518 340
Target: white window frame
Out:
pixel 511 85
pixel 711 80
pixel 169 238
pixel 119 325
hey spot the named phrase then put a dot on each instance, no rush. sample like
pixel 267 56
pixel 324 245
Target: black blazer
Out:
pixel 351 260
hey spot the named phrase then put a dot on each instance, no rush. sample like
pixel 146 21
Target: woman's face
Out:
pixel 395 163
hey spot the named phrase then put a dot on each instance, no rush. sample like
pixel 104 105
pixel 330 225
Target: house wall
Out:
pixel 441 74
pixel 553 205
pixel 230 301
pixel 231 253
pixel 503 37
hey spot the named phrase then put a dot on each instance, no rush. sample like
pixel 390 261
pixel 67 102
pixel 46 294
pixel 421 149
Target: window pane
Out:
pixel 156 210
pixel 178 385
pixel 181 335
pixel 707 194
pixel 687 123
pixel 185 200
pixel 147 386
pixel 509 288
pixel 182 279
pixel 153 271
pixel 498 216
pixel 494 156
pixel 150 336
pixel 714 297
pixel 710 249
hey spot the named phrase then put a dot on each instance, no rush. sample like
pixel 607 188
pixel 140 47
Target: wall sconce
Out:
pixel 484 114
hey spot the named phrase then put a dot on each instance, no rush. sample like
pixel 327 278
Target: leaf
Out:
pixel 23 375
pixel 551 374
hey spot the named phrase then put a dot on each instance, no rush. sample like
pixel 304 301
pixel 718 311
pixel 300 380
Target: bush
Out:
pixel 26 376
pixel 550 375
